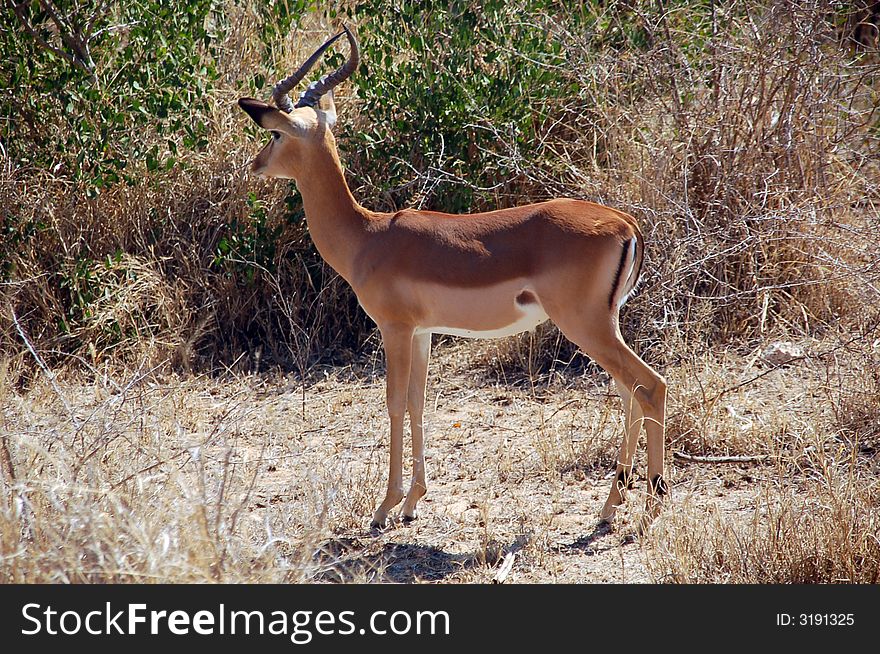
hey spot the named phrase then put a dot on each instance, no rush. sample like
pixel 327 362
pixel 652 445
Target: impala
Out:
pixel 482 275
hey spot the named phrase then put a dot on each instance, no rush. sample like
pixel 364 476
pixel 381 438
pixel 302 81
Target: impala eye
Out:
pixel 275 135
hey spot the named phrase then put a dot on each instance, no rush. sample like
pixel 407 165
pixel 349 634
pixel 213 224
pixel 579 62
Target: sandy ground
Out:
pixel 517 463
pixel 512 468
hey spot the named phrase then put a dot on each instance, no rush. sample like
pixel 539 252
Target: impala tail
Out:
pixel 629 270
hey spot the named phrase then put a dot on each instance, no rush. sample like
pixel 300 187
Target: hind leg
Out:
pixel 606 347
pixel 633 419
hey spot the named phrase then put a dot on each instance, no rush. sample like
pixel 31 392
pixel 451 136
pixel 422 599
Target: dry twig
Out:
pixel 693 458
pixel 504 570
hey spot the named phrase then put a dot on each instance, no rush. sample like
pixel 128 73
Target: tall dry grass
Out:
pixel 821 532
pixel 810 430
pixel 138 269
pixel 743 137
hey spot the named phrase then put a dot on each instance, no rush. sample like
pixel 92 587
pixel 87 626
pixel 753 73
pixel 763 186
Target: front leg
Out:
pixel 415 405
pixel 397 340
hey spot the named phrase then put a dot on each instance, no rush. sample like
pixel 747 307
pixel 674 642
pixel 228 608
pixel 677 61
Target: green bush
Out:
pixel 129 97
pixel 742 136
pixel 448 91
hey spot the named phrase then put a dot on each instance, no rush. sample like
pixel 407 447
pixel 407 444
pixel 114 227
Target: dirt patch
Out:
pixel 257 478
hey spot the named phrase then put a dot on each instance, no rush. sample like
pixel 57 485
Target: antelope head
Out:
pixel 296 127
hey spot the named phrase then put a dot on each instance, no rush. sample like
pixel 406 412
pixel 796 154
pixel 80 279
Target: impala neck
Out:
pixel 336 222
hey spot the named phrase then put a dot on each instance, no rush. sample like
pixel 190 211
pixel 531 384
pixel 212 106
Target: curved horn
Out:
pixel 311 95
pixel 282 88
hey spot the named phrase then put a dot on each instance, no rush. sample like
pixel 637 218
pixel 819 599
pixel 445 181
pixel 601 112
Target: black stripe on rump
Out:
pixel 618 274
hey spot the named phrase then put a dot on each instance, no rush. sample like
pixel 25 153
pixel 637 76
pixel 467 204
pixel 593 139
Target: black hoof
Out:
pixel 658 486
pixel 625 481
pixel 409 519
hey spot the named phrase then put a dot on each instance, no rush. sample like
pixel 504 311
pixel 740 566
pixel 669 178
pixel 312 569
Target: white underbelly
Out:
pixel 530 316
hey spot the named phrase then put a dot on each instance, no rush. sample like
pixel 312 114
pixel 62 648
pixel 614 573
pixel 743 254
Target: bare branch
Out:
pixel 693 458
pixel 70 31
pixel 49 374
pixel 70 35
pixel 90 24
pixel 19 12
pixel 113 28
pixel 55 16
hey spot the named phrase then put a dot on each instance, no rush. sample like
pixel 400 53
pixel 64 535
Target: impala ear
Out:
pixel 256 109
pixel 268 117
pixel 327 107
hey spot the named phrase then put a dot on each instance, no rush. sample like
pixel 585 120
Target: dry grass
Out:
pixel 823 531
pixel 150 477
pixel 137 270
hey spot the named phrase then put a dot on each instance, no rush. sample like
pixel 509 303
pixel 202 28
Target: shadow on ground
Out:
pixel 344 560
pixel 587 544
pixel 350 560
